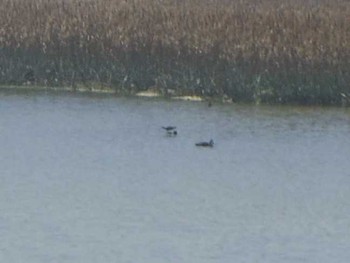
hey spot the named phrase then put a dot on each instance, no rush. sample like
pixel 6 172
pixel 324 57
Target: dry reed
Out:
pixel 249 50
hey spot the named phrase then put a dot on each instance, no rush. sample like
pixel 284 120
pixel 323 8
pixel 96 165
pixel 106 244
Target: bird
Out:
pixel 171 133
pixel 169 128
pixel 206 144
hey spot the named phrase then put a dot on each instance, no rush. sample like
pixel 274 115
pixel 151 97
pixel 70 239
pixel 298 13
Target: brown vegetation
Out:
pixel 249 50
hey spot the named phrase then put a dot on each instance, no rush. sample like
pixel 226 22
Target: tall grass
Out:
pixel 284 51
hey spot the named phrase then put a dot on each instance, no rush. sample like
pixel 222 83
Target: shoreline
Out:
pixel 102 91
pixel 151 93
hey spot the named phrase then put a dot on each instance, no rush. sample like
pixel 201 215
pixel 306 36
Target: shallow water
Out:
pixel 95 179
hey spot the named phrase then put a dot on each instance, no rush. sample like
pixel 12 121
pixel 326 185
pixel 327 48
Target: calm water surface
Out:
pixel 95 179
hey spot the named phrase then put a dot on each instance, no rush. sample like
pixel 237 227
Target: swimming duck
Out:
pixel 169 128
pixel 206 144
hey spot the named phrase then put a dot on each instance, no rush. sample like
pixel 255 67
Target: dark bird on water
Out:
pixel 171 133
pixel 169 128
pixel 206 144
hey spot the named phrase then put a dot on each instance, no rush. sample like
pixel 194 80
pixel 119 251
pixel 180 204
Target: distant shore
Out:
pixel 109 91
pixel 273 52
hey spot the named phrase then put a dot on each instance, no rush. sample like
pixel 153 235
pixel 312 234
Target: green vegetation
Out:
pixel 272 51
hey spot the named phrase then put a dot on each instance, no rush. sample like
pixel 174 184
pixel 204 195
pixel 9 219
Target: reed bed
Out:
pixel 246 50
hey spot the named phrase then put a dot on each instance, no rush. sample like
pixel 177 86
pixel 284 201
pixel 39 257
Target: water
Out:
pixel 95 179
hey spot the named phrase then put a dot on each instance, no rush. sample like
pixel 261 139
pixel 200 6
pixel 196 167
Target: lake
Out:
pixel 92 178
